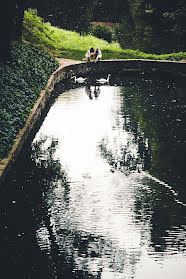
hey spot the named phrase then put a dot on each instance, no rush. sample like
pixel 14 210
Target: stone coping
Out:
pixel 66 69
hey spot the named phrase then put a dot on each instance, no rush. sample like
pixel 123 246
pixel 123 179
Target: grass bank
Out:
pixel 68 44
pixel 21 80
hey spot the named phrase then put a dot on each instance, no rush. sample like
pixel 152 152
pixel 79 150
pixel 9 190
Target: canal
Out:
pixel 100 190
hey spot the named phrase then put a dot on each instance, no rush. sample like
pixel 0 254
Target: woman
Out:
pixel 89 53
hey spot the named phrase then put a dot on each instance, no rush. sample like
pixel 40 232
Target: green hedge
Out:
pixel 21 80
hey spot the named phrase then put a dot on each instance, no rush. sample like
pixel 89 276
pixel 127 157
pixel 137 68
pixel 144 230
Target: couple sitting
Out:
pixel 97 54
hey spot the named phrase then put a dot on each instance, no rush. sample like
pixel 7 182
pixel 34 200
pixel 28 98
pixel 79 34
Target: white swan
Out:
pixel 103 80
pixel 79 79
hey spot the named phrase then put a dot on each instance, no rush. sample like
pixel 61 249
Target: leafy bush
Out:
pixel 21 80
pixel 103 32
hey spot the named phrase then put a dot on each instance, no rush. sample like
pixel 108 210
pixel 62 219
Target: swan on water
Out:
pixel 103 80
pixel 79 79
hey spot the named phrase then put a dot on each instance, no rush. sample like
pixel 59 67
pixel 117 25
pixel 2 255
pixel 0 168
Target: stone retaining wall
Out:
pixel 116 67
pixel 121 67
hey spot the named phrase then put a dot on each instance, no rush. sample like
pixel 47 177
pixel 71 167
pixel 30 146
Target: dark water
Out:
pixel 100 192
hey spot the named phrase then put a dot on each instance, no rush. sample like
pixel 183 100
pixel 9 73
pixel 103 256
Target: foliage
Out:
pixel 109 10
pixel 155 26
pixel 103 32
pixel 68 44
pixel 21 80
pixel 12 12
pixel 73 15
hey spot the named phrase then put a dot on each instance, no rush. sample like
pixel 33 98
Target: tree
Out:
pixel 154 26
pixel 109 10
pixel 71 15
pixel 6 27
pixel 11 20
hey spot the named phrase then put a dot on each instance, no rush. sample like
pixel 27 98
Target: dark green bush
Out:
pixel 21 80
pixel 103 32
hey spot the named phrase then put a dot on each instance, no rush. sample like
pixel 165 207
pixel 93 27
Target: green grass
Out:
pixel 71 45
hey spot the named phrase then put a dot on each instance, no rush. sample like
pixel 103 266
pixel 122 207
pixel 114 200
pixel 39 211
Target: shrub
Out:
pixel 21 80
pixel 103 32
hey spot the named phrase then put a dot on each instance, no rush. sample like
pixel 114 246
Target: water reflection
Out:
pixel 92 92
pixel 157 119
pixel 22 208
pixel 94 210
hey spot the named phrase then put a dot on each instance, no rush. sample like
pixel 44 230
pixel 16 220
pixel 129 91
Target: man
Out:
pixel 98 54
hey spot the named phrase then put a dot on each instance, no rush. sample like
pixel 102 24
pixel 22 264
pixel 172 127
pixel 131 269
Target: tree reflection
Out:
pixel 153 113
pixel 26 203
pixel 157 120
pixel 21 209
